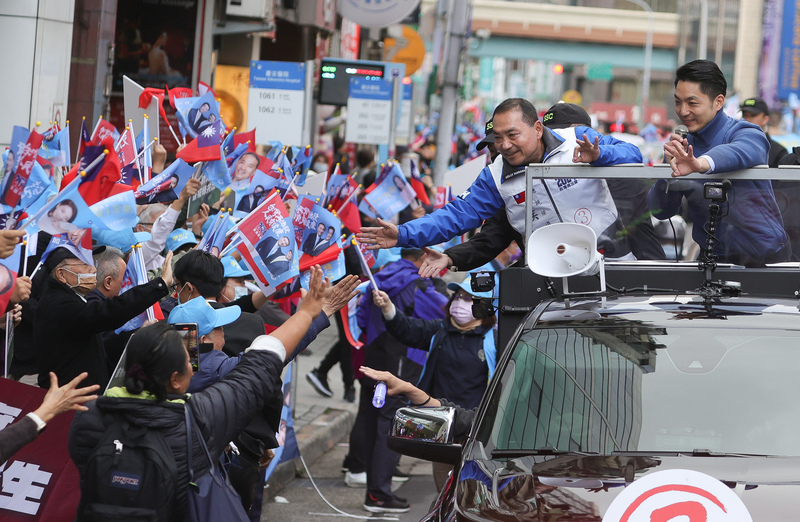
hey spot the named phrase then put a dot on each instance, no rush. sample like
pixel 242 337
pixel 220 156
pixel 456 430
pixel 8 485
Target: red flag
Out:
pixel 350 216
pixel 192 153
pixel 418 186
pixel 178 92
pixel 99 185
pixel 329 254
pixel 244 137
pixel 27 158
pixel 147 96
pixel 203 87
pixel 104 128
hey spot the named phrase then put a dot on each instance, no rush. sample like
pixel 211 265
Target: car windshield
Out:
pixel 638 387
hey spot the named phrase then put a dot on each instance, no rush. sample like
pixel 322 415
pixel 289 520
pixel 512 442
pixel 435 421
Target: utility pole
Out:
pixel 459 15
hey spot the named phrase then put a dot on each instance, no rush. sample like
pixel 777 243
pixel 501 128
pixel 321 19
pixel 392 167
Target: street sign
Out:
pixel 600 71
pixel 275 101
pixel 404 122
pixel 369 109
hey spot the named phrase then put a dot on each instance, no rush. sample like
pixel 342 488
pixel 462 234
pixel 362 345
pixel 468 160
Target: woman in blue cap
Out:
pixel 461 349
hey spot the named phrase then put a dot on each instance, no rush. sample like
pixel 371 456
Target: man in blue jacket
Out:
pixel 750 230
pixel 521 139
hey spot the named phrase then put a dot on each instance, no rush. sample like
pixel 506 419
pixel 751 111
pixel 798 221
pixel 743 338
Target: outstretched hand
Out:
pixel 66 398
pixel 383 236
pixel 586 151
pixel 340 294
pixel 434 262
pixel 683 161
pixel 317 285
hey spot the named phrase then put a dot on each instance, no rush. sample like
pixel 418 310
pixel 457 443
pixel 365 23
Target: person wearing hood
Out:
pixel 414 296
pixel 461 350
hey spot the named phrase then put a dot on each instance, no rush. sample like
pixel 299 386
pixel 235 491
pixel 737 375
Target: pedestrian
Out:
pixel 756 111
pixel 154 397
pixel 461 350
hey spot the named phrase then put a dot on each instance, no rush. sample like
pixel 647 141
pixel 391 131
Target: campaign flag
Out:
pixel 40 481
pixel 65 213
pixel 346 191
pixel 39 187
pixel 195 114
pixel 215 169
pixel 79 242
pixel 228 144
pixel 392 195
pixel 302 210
pixel 126 152
pixel 275 150
pixel 333 269
pixel 350 320
pixel 287 441
pixel 101 179
pixel 332 185
pixel 135 275
pixel 103 130
pixel 84 138
pixel 248 138
pixel 13 263
pixel 117 211
pixel 11 219
pixel 252 195
pixel 444 195
pixel 301 164
pixel 386 168
pixel 26 153
pixel 349 216
pixel 214 241
pixel 248 256
pixel 321 230
pixel 417 185
pixel 55 147
pixel 203 88
pixel 165 187
pixel 268 234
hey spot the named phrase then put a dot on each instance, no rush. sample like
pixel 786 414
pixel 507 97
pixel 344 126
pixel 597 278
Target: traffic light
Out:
pixel 558 68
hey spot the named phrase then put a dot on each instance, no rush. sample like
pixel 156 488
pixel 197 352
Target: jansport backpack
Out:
pixel 130 476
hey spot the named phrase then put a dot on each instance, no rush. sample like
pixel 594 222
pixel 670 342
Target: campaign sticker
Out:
pixel 677 494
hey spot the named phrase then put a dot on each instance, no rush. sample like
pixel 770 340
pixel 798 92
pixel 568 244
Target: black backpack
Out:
pixel 131 476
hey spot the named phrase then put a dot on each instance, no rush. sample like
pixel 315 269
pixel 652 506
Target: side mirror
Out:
pixel 425 433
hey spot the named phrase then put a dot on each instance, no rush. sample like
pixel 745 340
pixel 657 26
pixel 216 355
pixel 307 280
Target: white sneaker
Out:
pixel 355 480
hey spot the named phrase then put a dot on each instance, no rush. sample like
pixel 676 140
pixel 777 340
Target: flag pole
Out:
pixel 25 254
pixel 80 139
pixel 99 119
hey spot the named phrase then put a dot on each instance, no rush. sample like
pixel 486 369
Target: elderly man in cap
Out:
pixel 67 327
pixel 755 110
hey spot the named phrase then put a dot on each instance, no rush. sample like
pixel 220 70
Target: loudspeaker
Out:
pixel 563 250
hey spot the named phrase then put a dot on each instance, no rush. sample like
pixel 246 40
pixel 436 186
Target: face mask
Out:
pixel 178 295
pixel 461 311
pixel 319 167
pixel 239 291
pixel 85 281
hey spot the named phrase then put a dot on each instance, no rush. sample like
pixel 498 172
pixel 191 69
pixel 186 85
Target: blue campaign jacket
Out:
pixel 751 230
pixel 490 191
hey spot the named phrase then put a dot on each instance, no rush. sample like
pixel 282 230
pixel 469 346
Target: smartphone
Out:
pixel 188 332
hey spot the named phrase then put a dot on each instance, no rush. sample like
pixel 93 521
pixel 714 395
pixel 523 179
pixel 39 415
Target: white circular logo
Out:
pixel 677 494
pixel 370 13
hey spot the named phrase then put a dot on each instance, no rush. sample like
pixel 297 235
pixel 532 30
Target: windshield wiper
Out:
pixel 699 452
pixel 511 453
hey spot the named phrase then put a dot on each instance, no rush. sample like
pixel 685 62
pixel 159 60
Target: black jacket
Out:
pixel 456 367
pixel 220 411
pixel 67 331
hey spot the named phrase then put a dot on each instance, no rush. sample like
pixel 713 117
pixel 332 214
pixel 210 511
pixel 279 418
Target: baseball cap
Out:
pixel 489 139
pixel 754 106
pixel 121 239
pixel 466 285
pixel 233 268
pixel 563 115
pixel 179 237
pixel 207 318
pixel 62 253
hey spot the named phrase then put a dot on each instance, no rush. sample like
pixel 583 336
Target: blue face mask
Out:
pixel 178 295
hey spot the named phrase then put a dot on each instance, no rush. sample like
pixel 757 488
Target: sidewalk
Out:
pixel 319 422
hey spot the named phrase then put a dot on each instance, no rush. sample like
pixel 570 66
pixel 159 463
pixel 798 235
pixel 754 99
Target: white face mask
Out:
pixel 239 291
pixel 461 311
pixel 319 167
pixel 86 281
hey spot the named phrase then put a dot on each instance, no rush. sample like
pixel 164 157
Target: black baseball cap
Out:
pixel 61 253
pixel 489 139
pixel 563 115
pixel 754 106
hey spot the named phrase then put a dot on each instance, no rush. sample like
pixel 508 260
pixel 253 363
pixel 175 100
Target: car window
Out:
pixel 642 388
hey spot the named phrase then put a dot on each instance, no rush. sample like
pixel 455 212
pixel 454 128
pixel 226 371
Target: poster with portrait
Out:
pixel 391 196
pixel 165 187
pixel 250 185
pixel 322 230
pixel 155 42
pixel 197 113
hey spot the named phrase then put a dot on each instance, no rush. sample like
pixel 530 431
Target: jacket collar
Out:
pixel 552 141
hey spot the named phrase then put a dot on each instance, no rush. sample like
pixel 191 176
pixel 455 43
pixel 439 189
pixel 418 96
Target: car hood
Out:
pixel 582 488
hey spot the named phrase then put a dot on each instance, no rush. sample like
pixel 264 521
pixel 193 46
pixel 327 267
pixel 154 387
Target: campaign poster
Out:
pixel 155 43
pixel 391 196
